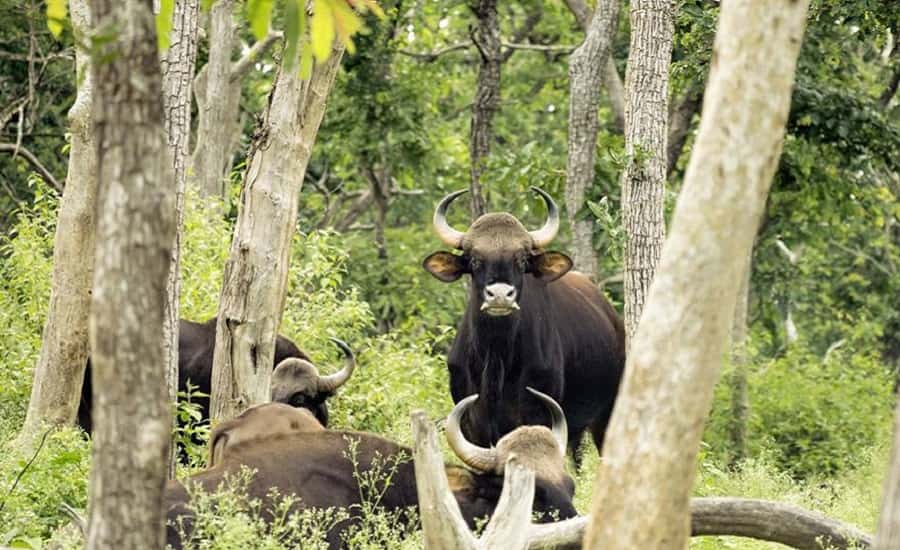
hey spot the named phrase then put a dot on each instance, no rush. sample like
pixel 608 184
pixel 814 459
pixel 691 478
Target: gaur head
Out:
pixel 259 422
pixel 297 382
pixel 538 448
pixel 497 251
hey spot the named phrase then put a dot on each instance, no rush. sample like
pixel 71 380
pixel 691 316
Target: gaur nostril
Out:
pixel 511 293
pixel 488 293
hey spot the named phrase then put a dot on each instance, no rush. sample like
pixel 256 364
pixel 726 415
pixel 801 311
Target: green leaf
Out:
pixel 259 12
pixel 322 30
pixel 56 16
pixel 164 24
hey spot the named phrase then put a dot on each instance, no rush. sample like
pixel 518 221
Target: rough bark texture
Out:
pixel 611 78
pixel 135 232
pixel 442 523
pixel 217 103
pixel 178 74
pixel 646 126
pixel 486 37
pixel 740 517
pixel 254 288
pixel 888 537
pixel 586 70
pixel 59 373
pixel 644 481
pixel 740 398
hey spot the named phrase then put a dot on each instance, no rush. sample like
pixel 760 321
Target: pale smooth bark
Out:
pixel 586 72
pixel 443 526
pixel 486 36
pixel 135 232
pixel 255 281
pixel 217 104
pixel 646 127
pixel 59 373
pixel 644 481
pixel 177 76
pixel 888 537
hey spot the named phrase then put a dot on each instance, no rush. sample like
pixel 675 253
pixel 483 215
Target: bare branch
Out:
pixel 792 257
pixel 431 56
pixel 561 48
pixel 16 149
pixel 242 66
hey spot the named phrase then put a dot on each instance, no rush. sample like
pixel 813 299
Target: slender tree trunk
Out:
pixel 135 232
pixel 611 78
pixel 59 373
pixel 644 178
pixel 586 70
pixel 217 102
pixel 486 36
pixel 254 288
pixel 643 487
pixel 888 536
pixel 680 124
pixel 178 74
pixel 740 398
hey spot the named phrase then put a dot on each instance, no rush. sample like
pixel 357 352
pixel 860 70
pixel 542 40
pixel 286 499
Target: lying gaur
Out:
pixel 321 467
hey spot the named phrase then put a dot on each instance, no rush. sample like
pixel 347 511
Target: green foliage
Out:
pixel 25 270
pixel 57 475
pixel 191 432
pixel 205 249
pixel 811 416
pixel 228 519
pixel 56 16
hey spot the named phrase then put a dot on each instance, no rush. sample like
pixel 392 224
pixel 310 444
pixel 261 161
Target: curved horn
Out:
pixel 560 429
pixel 448 235
pixel 334 381
pixel 478 458
pixel 543 236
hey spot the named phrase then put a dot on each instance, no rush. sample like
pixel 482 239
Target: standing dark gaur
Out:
pixel 529 322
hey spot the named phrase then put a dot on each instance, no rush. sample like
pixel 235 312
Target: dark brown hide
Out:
pixel 315 467
pixel 196 342
pixel 551 330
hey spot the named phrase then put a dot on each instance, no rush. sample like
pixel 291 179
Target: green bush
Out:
pixel 814 416
pixel 58 474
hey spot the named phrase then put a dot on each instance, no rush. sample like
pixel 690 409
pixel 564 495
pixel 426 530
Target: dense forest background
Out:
pixel 823 315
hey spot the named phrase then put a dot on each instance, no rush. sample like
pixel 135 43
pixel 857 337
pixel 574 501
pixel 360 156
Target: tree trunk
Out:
pixel 740 398
pixel 486 37
pixel 646 125
pixel 644 482
pixel 888 537
pixel 217 104
pixel 611 78
pixel 59 373
pixel 680 124
pixel 254 287
pixel 135 232
pixel 178 74
pixel 586 70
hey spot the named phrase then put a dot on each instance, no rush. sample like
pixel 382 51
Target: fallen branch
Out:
pixel 738 517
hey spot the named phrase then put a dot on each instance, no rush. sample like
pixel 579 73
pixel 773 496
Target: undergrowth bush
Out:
pixel 812 416
pixel 32 491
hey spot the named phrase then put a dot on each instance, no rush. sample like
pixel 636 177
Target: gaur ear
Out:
pixel 445 266
pixel 550 266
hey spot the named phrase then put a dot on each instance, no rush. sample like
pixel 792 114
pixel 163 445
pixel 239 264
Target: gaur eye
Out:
pixel 297 400
pixel 521 263
pixel 475 264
